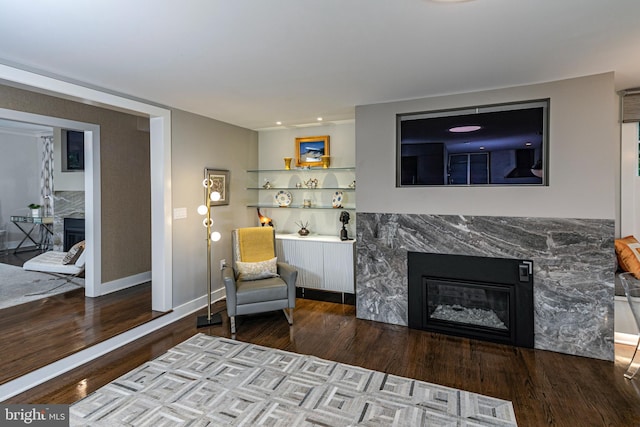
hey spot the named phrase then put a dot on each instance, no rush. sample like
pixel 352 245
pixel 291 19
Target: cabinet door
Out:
pixel 338 267
pixel 307 258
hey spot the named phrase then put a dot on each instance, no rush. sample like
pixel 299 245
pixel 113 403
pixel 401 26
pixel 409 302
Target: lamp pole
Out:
pixel 216 319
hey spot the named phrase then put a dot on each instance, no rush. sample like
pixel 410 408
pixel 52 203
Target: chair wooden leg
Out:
pixel 288 313
pixel 232 320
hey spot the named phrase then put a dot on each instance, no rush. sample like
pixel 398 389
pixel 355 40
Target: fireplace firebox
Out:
pixel 73 232
pixel 475 297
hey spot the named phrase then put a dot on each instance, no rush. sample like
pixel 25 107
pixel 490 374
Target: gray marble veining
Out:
pixel 66 204
pixel 574 265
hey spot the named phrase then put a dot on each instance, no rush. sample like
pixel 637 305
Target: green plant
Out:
pixel 34 206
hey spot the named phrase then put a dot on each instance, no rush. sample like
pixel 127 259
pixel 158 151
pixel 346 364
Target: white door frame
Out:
pixel 629 180
pixel 160 158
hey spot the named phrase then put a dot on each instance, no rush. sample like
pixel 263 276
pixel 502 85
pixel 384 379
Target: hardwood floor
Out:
pixel 41 332
pixel 546 388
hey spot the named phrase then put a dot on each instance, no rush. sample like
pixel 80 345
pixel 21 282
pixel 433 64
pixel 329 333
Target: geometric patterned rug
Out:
pixel 213 381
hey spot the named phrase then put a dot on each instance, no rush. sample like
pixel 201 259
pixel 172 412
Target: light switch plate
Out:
pixel 179 213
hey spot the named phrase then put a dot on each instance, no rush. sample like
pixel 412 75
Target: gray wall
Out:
pixel 199 142
pixel 583 160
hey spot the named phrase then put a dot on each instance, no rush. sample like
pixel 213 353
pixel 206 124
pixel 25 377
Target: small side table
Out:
pixel 42 226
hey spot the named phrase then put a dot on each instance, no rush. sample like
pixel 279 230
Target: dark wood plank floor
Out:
pixel 546 388
pixel 41 332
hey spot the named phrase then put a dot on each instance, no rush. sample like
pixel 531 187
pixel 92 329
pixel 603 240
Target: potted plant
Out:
pixel 35 209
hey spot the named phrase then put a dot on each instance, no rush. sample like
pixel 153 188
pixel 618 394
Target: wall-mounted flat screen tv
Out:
pixel 504 144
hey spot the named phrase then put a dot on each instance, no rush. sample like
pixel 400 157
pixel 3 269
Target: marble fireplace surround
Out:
pixel 66 204
pixel 574 263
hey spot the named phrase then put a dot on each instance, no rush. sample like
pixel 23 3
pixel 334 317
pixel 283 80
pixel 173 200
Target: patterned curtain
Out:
pixel 46 176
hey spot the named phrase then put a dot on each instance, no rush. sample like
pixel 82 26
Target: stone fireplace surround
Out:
pixel 66 204
pixel 574 266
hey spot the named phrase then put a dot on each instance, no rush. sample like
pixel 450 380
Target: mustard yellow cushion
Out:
pixel 628 253
pixel 257 270
pixel 255 244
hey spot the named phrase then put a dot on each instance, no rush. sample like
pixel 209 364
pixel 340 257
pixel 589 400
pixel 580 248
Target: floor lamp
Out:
pixel 212 236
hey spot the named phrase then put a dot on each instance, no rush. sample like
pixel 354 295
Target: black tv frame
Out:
pixel 508 125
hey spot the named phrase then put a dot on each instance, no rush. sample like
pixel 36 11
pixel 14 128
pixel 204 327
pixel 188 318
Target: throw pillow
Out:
pixel 74 253
pixel 257 270
pixel 628 253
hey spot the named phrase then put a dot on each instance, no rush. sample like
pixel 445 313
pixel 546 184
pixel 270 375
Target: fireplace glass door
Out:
pixel 468 304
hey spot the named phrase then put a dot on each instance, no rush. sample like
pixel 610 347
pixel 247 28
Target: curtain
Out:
pixel 631 106
pixel 46 176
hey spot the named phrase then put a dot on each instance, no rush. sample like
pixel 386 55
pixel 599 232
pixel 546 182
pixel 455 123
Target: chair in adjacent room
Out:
pixel 64 264
pixel 257 282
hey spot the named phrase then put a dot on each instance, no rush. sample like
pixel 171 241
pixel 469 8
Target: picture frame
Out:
pixel 219 180
pixel 310 149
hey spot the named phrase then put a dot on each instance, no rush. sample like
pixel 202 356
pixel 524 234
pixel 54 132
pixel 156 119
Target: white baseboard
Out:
pixel 624 322
pixel 626 339
pixel 59 367
pixel 124 283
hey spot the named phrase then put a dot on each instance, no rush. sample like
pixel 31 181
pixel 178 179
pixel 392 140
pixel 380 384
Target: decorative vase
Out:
pixel 287 163
pixel 325 161
pixel 303 232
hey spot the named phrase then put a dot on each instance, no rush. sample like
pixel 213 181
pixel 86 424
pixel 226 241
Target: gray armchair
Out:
pixel 256 282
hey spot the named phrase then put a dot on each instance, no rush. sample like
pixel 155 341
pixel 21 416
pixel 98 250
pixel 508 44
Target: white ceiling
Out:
pixel 255 62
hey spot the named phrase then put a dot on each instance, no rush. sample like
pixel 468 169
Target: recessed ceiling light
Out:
pixel 460 129
pixel 528 144
pixel 482 148
pixel 278 123
pixel 319 119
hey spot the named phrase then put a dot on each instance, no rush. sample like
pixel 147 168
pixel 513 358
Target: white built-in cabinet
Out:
pixel 323 262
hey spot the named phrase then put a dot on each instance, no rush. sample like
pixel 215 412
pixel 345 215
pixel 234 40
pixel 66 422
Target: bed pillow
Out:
pixel 628 254
pixel 74 253
pixel 257 270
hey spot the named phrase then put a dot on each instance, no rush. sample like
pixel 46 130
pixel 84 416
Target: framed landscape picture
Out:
pixel 310 149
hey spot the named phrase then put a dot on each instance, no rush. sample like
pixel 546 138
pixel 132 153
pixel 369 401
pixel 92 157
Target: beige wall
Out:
pixel 583 156
pixel 125 186
pixel 199 142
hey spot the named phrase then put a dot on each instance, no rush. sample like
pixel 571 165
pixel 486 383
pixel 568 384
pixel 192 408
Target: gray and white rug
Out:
pixel 18 286
pixel 212 381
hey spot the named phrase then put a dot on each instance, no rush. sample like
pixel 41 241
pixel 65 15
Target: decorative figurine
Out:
pixel 311 183
pixel 264 220
pixel 344 219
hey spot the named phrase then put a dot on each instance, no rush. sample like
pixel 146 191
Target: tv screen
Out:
pixel 504 144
